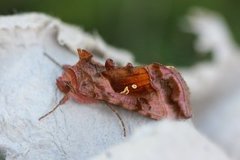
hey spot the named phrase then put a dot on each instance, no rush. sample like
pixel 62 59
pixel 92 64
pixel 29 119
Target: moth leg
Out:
pixel 119 117
pixel 62 101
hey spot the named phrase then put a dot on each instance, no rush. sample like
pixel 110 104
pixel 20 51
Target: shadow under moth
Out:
pixel 156 91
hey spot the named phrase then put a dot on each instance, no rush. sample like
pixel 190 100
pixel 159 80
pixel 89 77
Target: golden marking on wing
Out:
pixel 134 86
pixel 125 91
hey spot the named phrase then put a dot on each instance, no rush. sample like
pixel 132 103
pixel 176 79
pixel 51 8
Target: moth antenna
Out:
pixel 120 119
pixel 52 59
pixel 62 101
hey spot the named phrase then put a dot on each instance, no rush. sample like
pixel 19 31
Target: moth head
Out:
pixel 64 86
pixel 67 82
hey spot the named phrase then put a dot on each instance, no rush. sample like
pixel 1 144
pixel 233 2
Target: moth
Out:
pixel 155 90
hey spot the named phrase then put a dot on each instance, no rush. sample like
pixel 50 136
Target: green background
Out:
pixel 150 29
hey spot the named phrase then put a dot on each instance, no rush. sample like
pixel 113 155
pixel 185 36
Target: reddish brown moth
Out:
pixel 154 90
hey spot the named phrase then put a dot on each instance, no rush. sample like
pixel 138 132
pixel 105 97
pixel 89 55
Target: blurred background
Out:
pixel 149 29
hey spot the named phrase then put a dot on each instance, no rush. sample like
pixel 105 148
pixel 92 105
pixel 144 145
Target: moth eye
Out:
pixel 134 86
